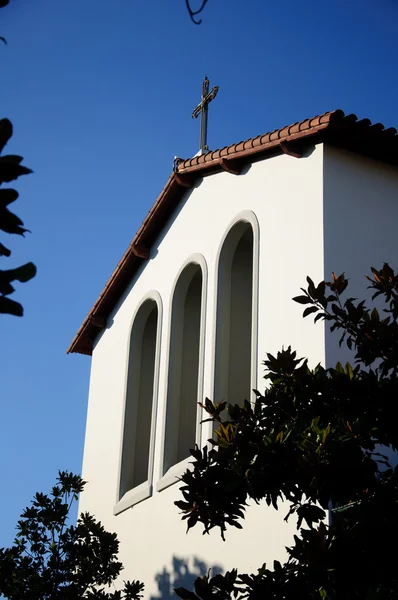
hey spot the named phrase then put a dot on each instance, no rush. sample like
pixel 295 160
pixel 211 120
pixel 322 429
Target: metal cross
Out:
pixel 202 110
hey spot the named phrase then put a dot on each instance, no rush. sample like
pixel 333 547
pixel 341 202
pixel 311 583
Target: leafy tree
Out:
pixel 313 441
pixel 53 561
pixel 10 169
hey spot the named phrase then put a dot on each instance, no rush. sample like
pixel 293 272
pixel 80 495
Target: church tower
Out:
pixel 201 294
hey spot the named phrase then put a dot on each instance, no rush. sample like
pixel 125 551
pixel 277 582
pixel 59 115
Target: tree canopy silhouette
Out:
pixel 53 560
pixel 315 440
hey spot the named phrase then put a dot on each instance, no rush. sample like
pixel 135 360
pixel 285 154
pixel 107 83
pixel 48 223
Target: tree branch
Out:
pixel 193 13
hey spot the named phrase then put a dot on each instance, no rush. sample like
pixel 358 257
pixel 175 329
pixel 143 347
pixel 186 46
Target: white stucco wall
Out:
pixel 285 195
pixel 360 225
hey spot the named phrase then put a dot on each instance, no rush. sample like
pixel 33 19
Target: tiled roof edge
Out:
pixel 334 127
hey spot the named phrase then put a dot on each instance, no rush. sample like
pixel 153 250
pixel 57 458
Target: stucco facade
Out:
pixel 329 210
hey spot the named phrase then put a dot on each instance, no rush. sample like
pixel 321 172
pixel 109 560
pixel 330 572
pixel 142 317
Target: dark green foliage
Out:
pixel 51 560
pixel 10 169
pixel 312 440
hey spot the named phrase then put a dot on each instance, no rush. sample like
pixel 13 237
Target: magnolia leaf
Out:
pixel 201 586
pixel 302 300
pixel 5 132
pixel 7 195
pixel 12 158
pixel 349 370
pixel 185 594
pixel 10 307
pixel 311 287
pixel 4 251
pixel 26 272
pixel 10 170
pixel 5 287
pixel 23 273
pixel 320 290
pixel 10 223
pixel 374 315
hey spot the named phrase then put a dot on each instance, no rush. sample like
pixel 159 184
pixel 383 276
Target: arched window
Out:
pixel 185 367
pixel 234 360
pixel 136 467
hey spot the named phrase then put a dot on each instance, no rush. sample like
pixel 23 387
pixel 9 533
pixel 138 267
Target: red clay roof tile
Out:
pixel 332 127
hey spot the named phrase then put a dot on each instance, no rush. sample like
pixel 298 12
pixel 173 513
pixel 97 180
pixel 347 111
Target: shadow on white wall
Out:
pixel 182 574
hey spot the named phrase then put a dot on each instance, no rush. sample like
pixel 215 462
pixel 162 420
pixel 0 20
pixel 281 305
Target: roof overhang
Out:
pixel 334 128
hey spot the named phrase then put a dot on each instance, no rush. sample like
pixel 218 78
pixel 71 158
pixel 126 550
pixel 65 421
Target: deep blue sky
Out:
pixel 101 94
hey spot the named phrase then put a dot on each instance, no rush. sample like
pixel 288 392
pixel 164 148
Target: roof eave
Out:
pixel 170 196
pixel 335 128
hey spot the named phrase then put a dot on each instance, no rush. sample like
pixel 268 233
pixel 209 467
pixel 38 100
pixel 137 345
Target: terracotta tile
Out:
pixel 333 127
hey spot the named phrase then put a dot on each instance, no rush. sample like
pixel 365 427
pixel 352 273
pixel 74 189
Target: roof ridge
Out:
pixel 330 117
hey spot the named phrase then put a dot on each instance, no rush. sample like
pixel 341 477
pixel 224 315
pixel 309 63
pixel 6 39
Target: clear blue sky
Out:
pixel 101 94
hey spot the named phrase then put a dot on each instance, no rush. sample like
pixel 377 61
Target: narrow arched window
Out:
pixel 184 388
pixel 233 364
pixel 140 398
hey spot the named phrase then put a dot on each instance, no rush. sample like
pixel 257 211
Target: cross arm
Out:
pixel 211 95
pixel 197 110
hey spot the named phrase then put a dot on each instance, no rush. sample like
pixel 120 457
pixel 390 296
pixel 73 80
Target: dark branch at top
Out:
pixel 193 13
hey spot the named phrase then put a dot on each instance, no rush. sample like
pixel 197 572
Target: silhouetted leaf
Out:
pixel 302 300
pixel 12 158
pixel 7 195
pixel 10 307
pixel 309 310
pixel 311 287
pixel 5 132
pixel 23 273
pixel 10 169
pixel 185 594
pixel 5 287
pixel 4 251
pixel 10 223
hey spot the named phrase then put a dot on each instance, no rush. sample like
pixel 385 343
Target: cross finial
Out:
pixel 202 110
